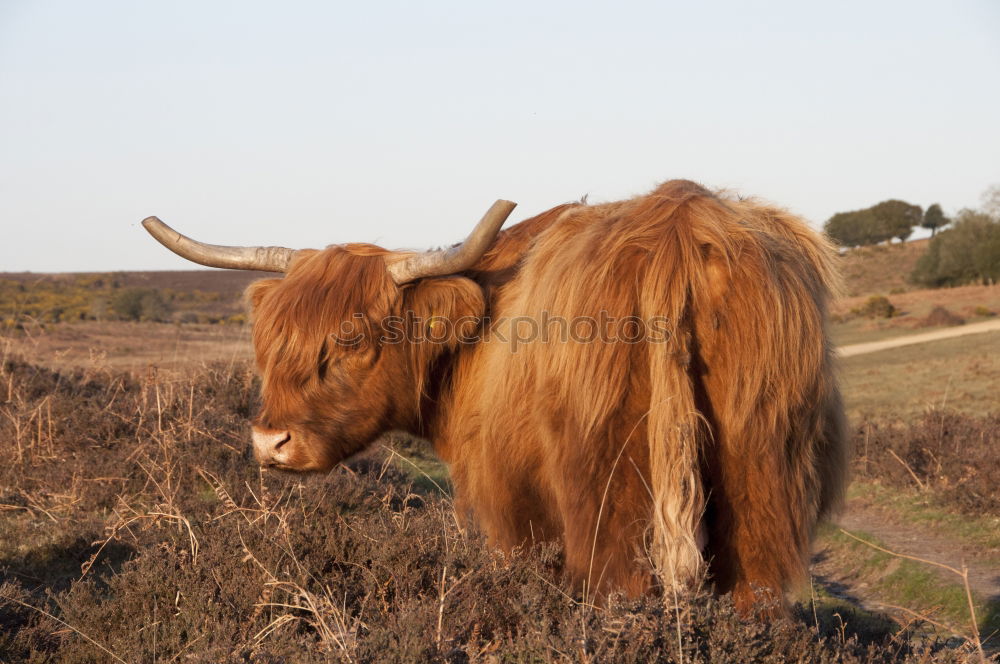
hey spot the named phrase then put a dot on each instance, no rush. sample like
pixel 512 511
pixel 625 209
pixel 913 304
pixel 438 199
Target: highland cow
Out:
pixel 711 437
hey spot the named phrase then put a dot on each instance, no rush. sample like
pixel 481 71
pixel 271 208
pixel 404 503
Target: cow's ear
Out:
pixel 448 310
pixel 256 291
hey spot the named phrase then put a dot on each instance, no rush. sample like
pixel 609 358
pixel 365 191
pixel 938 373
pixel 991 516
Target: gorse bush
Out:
pixel 983 311
pixel 47 303
pixel 138 529
pixel 876 306
pixel 140 304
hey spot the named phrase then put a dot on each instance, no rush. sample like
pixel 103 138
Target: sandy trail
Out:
pixel 896 342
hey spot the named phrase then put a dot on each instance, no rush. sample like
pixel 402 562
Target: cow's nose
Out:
pixel 268 445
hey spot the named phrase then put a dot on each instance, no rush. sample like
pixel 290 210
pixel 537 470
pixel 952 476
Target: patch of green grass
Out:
pixel 206 493
pixel 920 509
pixel 428 473
pixel 832 614
pixel 900 582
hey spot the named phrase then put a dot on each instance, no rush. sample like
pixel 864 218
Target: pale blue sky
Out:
pixel 310 123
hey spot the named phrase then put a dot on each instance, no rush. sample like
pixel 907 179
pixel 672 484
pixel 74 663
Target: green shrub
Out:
pixel 877 306
pixel 968 252
pixel 984 312
pixel 140 304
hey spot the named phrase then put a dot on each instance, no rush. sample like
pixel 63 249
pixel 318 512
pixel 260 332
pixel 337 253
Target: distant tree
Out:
pixel 845 229
pixel 991 201
pixel 967 252
pixel 878 223
pixel 140 304
pixel 934 219
pixel 127 304
pixel 895 218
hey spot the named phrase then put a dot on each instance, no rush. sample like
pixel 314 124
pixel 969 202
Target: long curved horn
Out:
pixel 268 259
pixel 458 258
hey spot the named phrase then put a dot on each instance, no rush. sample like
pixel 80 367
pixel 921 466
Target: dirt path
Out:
pixel 904 538
pixel 895 342
pixel 842 578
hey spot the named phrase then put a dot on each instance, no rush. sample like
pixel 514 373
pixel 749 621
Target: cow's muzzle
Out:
pixel 271 447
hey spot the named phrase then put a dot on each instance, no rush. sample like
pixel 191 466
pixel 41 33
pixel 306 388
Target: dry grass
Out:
pixel 961 373
pixel 963 300
pixel 966 302
pixel 128 346
pixel 943 453
pixel 880 269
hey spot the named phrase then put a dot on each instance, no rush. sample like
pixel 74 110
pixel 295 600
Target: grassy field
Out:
pixel 129 346
pixel 189 296
pixel 962 373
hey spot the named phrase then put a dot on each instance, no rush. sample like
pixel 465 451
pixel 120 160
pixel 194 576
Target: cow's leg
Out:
pixel 770 481
pixel 505 503
pixel 756 535
pixel 603 531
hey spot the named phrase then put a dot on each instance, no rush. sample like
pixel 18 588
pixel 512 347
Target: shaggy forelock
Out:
pixel 294 317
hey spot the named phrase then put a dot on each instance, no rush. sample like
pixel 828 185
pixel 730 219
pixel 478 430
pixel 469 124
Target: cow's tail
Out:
pixel 675 426
pixel 743 288
pixel 675 430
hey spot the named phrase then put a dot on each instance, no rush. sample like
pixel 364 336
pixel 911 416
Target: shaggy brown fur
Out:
pixel 624 452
